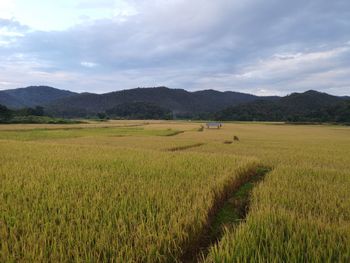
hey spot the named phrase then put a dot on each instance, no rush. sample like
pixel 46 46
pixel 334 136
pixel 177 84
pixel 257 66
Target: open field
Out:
pixel 135 191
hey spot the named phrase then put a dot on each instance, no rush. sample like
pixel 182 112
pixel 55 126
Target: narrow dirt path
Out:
pixel 229 210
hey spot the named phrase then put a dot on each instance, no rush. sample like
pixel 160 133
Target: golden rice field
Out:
pixel 135 191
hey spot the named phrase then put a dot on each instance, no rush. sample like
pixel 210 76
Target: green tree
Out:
pixel 5 113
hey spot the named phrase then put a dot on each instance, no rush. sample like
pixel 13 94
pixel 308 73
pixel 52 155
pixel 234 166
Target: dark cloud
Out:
pixel 256 46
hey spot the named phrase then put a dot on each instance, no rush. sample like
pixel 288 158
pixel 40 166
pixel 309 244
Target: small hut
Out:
pixel 216 125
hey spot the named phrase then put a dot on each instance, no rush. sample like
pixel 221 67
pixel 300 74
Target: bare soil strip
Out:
pixel 229 210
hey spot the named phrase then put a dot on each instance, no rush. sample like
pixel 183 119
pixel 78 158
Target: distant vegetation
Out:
pixel 29 115
pixel 165 103
pixel 140 111
pixel 32 96
pixel 307 107
pixel 182 103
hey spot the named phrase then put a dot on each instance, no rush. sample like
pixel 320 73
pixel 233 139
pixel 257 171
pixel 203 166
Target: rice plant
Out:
pixel 118 194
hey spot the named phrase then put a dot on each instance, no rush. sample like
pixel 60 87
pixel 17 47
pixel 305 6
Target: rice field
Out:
pixel 144 191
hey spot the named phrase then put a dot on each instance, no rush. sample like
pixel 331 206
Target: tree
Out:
pixel 139 110
pixel 101 115
pixel 5 113
pixel 38 111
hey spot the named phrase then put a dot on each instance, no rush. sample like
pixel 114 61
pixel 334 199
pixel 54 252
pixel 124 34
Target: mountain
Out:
pixel 162 102
pixel 339 112
pixel 139 111
pixel 308 106
pixel 210 100
pixel 32 96
pixel 9 101
pixel 179 101
pixel 308 101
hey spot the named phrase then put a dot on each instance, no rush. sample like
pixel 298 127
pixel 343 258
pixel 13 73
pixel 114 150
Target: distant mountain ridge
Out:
pixel 180 102
pixel 310 106
pixel 32 96
pixel 204 104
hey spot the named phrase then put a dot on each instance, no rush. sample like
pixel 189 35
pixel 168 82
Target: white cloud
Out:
pixel 8 33
pixel 287 65
pixel 88 64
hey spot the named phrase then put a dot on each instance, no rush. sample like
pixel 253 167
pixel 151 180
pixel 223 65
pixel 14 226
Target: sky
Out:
pixel 263 47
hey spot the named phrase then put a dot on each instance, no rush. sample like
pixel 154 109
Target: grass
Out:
pixel 232 213
pixel 115 194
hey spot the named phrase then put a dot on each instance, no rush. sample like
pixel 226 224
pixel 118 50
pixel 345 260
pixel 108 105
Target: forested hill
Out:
pixel 162 102
pixel 310 106
pixel 32 96
pixel 180 102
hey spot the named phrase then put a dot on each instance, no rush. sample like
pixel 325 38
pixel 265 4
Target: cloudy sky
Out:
pixel 257 46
